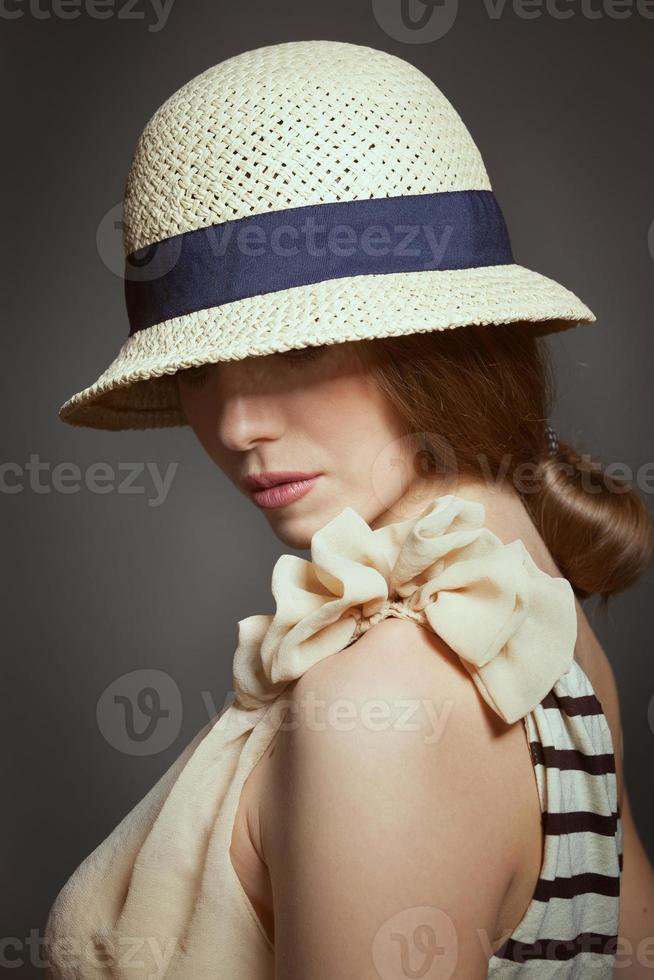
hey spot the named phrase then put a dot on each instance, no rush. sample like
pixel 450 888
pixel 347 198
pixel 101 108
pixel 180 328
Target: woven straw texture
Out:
pixel 284 126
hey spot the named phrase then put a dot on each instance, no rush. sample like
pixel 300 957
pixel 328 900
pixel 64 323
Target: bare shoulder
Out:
pixel 390 779
pixel 398 678
pixel 395 658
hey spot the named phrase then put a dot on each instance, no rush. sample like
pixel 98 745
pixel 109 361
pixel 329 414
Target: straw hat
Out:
pixel 305 193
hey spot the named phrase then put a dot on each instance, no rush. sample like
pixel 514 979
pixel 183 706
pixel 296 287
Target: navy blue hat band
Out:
pixel 276 250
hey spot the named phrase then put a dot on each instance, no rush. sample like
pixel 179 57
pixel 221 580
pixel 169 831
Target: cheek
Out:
pixel 347 414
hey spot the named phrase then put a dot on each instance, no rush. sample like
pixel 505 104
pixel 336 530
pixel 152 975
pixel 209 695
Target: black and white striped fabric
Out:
pixel 570 927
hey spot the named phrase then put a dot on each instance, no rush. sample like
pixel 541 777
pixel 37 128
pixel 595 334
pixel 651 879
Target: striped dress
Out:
pixel 570 927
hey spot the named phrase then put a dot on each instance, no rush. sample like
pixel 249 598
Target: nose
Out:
pixel 251 405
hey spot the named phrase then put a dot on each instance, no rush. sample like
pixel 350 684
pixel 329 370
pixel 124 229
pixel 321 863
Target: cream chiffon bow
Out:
pixel 159 897
pixel 513 626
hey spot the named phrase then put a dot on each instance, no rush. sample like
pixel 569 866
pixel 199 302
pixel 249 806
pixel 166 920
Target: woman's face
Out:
pixel 313 411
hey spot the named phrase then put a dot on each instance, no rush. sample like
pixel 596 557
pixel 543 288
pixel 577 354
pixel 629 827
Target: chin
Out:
pixel 292 532
pixel 296 529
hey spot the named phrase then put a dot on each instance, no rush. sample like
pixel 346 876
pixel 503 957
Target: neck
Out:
pixel 505 513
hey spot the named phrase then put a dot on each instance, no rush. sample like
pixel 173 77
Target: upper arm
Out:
pixel 386 810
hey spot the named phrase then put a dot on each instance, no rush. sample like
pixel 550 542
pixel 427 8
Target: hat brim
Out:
pixel 138 390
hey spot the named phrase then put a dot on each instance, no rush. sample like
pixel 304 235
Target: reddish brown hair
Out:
pixel 489 390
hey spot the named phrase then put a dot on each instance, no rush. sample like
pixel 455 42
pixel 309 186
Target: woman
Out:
pixel 421 772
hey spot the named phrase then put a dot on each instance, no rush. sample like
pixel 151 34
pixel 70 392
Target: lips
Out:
pixel 282 494
pixel 263 481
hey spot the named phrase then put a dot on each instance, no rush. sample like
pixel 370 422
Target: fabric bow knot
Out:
pixel 512 625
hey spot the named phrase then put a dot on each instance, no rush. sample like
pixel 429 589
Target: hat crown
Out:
pixel 289 125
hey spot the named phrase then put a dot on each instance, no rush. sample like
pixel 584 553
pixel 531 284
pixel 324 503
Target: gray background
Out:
pixel 98 585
